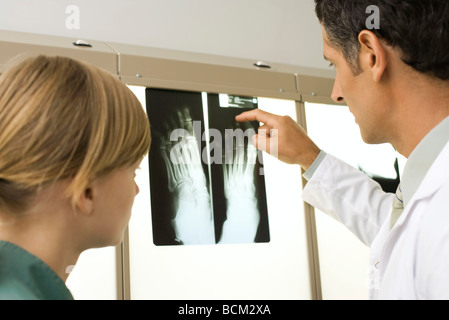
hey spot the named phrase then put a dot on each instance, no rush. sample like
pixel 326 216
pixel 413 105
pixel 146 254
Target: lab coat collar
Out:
pixel 435 177
pixel 422 158
pixel 433 181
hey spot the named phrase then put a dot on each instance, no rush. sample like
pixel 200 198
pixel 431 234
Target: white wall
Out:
pixel 283 31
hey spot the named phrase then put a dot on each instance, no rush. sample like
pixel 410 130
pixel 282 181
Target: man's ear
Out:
pixel 86 201
pixel 373 54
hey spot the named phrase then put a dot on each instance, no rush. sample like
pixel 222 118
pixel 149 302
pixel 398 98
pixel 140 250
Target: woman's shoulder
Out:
pixel 24 276
pixel 12 288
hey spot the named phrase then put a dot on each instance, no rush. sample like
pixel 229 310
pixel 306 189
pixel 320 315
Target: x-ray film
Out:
pixel 206 182
pixel 239 198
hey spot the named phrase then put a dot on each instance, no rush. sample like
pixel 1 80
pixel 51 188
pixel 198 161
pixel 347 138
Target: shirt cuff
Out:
pixel 309 173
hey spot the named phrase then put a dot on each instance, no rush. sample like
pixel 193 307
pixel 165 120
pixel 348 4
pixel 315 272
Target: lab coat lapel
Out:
pixel 437 175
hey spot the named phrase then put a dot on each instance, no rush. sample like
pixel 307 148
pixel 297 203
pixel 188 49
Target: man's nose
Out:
pixel 337 96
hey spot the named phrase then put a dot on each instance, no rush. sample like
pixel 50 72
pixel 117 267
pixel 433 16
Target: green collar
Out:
pixel 23 276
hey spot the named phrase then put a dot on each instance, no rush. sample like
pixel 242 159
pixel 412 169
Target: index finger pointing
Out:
pixel 256 115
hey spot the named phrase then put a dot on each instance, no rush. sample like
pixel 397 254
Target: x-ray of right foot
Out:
pixel 242 211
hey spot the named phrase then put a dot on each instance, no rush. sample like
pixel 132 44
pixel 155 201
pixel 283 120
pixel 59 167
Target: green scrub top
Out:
pixel 23 276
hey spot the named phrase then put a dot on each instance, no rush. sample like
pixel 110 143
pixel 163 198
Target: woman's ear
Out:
pixel 373 55
pixel 86 201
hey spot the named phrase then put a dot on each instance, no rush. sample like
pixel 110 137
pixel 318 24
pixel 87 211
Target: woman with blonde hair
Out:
pixel 71 138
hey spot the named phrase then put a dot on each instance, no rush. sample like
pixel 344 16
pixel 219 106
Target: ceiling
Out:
pixel 283 31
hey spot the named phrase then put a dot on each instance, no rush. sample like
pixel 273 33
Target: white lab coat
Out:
pixel 410 261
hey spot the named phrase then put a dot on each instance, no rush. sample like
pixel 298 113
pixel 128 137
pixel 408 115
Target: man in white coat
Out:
pixel 395 80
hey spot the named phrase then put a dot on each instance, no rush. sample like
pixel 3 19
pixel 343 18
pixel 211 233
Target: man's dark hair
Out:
pixel 419 29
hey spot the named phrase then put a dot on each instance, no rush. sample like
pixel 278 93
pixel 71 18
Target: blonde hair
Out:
pixel 64 119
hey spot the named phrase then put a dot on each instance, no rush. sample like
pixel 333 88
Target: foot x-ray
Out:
pixel 206 177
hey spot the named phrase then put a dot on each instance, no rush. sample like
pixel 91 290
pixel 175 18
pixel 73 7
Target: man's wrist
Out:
pixel 314 166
